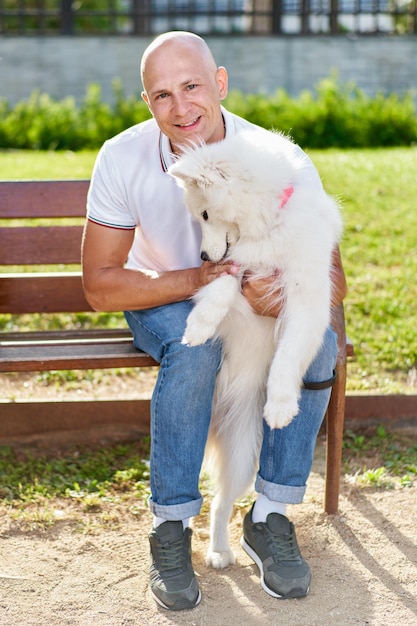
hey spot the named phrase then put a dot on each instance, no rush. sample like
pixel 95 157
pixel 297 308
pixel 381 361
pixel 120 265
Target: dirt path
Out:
pixel 364 564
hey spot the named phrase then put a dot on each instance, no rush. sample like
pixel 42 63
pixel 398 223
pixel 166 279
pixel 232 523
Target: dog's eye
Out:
pixel 204 215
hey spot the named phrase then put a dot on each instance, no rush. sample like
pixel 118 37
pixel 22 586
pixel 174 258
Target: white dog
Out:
pixel 257 210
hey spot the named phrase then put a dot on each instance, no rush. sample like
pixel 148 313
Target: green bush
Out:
pixel 41 123
pixel 333 115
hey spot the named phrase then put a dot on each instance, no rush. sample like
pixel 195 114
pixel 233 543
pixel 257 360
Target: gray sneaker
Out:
pixel 272 545
pixel 172 579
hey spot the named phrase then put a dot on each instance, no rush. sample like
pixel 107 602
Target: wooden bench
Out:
pixel 50 241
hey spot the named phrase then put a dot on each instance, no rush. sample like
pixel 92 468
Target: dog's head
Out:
pixel 207 195
pixel 222 191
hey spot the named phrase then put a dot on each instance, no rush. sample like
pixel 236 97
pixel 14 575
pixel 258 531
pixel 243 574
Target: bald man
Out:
pixel 141 255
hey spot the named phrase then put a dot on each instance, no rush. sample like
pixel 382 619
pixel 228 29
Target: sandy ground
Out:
pixel 364 564
pixel 85 572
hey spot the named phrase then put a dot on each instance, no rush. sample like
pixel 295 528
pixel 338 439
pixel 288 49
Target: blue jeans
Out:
pixel 181 409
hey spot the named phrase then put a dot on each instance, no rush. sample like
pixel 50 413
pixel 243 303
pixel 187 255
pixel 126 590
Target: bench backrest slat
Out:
pixel 41 198
pixel 40 245
pixel 57 244
pixel 42 293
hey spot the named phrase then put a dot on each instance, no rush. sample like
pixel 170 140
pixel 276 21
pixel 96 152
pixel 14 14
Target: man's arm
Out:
pixel 254 290
pixel 109 286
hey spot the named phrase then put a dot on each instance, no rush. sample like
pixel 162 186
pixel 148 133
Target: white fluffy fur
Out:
pixel 234 189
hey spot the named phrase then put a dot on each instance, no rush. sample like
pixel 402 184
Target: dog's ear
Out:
pixel 183 174
pixel 187 174
pixel 183 179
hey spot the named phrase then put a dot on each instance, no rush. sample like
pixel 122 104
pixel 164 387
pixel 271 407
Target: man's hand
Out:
pixel 209 271
pixel 263 302
pixel 258 293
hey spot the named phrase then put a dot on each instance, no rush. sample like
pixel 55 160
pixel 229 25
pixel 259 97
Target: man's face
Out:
pixel 183 90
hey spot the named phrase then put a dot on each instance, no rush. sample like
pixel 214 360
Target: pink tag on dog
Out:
pixel 285 196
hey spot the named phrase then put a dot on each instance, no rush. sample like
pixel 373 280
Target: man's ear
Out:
pixel 222 82
pixel 145 98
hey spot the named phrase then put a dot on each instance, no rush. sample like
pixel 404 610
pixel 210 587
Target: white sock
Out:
pixel 264 506
pixel 159 520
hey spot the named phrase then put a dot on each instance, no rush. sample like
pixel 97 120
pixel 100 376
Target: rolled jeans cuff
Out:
pixel 280 493
pixel 175 512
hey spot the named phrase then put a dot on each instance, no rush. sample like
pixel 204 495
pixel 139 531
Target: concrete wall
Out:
pixel 63 66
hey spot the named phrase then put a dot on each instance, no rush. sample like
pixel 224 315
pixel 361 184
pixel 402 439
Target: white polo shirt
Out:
pixel 131 189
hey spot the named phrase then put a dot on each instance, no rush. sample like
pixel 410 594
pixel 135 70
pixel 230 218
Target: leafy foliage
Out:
pixel 41 123
pixel 333 115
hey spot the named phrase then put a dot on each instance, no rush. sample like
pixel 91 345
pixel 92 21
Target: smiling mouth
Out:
pixel 188 124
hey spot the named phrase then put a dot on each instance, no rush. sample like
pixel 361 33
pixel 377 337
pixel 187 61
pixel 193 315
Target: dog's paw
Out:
pixel 280 410
pixel 200 327
pixel 196 335
pixel 220 560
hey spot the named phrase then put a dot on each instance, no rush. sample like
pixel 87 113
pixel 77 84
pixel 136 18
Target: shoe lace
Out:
pixel 171 556
pixel 283 547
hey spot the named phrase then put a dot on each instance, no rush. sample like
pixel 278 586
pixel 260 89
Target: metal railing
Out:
pixel 207 17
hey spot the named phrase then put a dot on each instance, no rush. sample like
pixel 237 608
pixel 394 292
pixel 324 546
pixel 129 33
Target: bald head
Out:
pixel 175 42
pixel 183 88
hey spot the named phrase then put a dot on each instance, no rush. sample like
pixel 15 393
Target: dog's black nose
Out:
pixel 204 256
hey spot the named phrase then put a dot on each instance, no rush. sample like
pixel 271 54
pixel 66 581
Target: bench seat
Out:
pixel 68 350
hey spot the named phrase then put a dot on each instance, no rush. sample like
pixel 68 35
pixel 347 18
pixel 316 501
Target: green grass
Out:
pixel 377 189
pixel 380 460
pixel 28 164
pixel 95 488
pixel 27 478
pixel 37 491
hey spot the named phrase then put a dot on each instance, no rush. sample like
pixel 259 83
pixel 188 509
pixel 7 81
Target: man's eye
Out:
pixel 162 96
pixel 204 215
pixel 192 86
